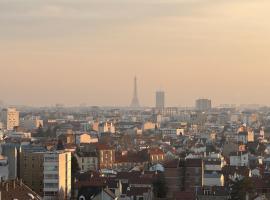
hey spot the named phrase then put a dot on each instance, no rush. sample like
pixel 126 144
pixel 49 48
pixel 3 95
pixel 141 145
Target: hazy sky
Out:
pixel 88 51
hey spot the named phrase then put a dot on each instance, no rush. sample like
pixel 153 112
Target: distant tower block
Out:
pixel 135 100
pixel 160 99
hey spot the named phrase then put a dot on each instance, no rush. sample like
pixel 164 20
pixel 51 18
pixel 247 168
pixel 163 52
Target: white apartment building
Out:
pixel 239 159
pixel 87 161
pixel 57 175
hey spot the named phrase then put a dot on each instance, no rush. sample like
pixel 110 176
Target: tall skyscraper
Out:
pixel 160 99
pixel 203 104
pixel 135 100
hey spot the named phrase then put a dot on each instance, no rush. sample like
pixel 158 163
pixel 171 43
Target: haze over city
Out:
pixel 134 99
pixel 74 52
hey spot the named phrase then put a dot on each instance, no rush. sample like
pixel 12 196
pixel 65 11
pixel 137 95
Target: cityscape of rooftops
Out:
pixel 134 100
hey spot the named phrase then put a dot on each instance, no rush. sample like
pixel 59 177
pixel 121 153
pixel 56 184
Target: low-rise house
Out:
pixel 213 179
pixel 139 193
pixel 212 193
pixel 239 159
pixel 156 155
pixel 85 138
pixel 106 156
pixel 232 173
pixel 87 160
pixel 106 127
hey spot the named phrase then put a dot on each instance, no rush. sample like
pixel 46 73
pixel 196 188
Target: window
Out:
pixel 51 185
pixel 50 159
pixel 50 168
pixel 51 176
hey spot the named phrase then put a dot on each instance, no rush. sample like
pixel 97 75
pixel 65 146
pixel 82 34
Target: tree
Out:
pixel 74 169
pixel 261 149
pixel 40 132
pixel 241 188
pixel 60 145
pixel 74 165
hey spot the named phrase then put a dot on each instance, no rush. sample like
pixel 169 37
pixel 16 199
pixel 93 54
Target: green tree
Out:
pixel 40 131
pixel 74 169
pixel 241 188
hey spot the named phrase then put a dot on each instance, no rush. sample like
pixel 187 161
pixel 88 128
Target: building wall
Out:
pixel 219 181
pixel 31 170
pixel 172 177
pixel 12 118
pixel 106 158
pixel 212 167
pixel 149 126
pixel 57 175
pixel 250 136
pixel 157 158
pixel 212 197
pixel 160 99
pixel 11 152
pixel 4 173
pixel 190 176
pixel 240 160
pixel 83 138
pixel 87 163
pixel 203 104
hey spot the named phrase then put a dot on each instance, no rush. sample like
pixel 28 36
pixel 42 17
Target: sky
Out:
pixel 88 51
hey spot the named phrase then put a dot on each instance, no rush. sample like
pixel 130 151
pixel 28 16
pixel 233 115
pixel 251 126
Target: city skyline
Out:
pixel 88 52
pixel 133 90
pixel 134 99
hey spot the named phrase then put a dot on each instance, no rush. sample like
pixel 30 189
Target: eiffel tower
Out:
pixel 135 100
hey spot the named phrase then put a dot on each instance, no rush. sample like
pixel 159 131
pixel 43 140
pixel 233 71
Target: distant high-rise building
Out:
pixel 135 100
pixel 57 175
pixel 203 104
pixel 10 118
pixel 160 99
